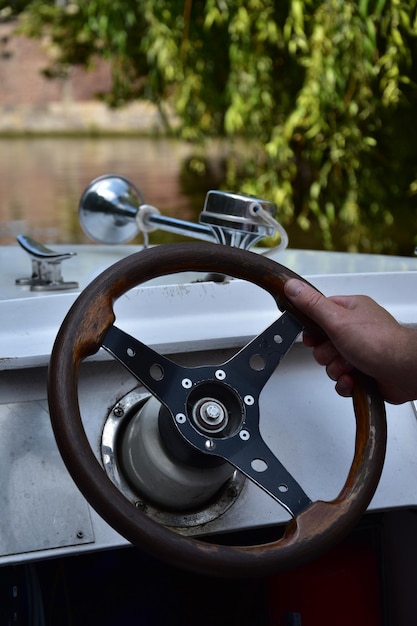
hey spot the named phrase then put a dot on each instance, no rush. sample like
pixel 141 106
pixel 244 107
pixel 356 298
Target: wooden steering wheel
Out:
pixel 315 526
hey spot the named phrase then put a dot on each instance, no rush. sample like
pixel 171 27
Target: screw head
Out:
pixel 249 400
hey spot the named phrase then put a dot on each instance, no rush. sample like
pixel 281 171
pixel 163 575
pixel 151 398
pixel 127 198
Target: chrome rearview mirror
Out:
pixel 108 209
pixel 112 210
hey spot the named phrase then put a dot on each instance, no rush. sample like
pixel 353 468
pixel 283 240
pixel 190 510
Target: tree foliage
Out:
pixel 321 95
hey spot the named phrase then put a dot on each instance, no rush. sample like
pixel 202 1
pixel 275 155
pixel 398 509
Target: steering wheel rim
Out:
pixel 311 532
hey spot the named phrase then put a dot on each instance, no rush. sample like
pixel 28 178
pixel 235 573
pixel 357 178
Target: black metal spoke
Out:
pixel 157 373
pixel 254 364
pixel 256 460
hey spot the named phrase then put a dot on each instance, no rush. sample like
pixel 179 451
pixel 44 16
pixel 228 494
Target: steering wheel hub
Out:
pixel 138 461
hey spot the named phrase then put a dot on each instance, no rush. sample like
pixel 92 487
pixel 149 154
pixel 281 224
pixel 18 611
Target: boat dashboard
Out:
pixel 194 319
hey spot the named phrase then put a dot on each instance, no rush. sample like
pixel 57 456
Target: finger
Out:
pixel 311 302
pixel 311 340
pixel 337 368
pixel 325 352
pixel 344 386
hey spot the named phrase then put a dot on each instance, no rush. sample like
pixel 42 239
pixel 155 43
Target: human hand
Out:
pixel 361 335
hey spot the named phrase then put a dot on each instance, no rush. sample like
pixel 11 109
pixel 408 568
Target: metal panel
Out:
pixel 40 507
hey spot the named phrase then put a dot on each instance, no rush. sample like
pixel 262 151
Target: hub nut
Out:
pixel 210 415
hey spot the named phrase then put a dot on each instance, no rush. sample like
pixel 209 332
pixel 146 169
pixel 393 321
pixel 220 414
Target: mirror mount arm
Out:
pixel 112 210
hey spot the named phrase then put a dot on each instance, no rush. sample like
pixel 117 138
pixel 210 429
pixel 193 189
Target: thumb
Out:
pixel 310 302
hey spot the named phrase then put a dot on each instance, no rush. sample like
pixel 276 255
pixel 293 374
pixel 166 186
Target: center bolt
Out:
pixel 210 415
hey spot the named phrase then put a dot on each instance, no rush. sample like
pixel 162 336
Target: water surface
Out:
pixel 42 180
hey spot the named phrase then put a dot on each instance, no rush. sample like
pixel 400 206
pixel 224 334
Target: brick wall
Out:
pixel 22 82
